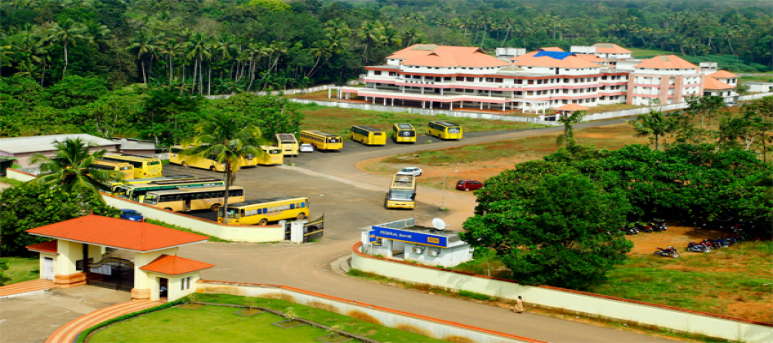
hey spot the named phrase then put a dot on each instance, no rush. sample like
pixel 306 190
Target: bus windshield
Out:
pixel 407 133
pixel 274 151
pixel 401 194
pixel 332 140
pixel 454 129
pixel 151 199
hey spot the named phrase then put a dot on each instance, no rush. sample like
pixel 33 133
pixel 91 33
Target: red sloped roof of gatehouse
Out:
pixel 174 265
pixel 117 233
pixel 51 247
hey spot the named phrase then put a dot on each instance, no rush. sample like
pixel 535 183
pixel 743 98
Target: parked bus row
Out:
pixel 271 156
pixel 143 166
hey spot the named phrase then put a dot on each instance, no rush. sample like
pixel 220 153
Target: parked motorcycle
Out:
pixel 668 252
pixel 630 229
pixel 659 225
pixel 722 242
pixel 698 247
pixel 643 227
pixel 714 245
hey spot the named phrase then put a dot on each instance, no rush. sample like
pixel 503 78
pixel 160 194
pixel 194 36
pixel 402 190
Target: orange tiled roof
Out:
pixel 591 58
pixel 51 247
pixel 545 61
pixel 572 108
pixel 609 48
pixel 723 74
pixel 714 84
pixel 452 56
pixel 415 50
pixel 552 48
pixel 666 62
pixel 117 233
pixel 524 56
pixel 174 265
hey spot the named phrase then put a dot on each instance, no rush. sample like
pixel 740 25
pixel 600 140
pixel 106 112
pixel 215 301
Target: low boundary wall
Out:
pixel 608 307
pixel 431 327
pixel 425 111
pixel 236 233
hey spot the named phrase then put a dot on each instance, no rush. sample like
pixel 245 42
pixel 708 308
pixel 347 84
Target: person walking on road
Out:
pixel 518 305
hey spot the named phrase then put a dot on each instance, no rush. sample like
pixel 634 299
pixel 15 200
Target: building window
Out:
pixel 470 79
pixel 377 72
pixel 459 78
pixel 185 283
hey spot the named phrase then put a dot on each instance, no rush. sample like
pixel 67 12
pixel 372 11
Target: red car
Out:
pixel 468 185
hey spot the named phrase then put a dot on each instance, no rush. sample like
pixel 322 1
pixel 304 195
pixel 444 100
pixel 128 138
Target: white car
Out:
pixel 410 171
pixel 305 147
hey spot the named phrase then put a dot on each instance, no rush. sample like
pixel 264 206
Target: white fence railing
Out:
pixel 571 301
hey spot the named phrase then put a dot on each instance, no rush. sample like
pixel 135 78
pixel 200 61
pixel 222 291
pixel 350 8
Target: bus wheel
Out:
pixel 215 207
pixel 212 168
pixel 301 217
pixel 169 209
pixel 263 222
pixel 185 164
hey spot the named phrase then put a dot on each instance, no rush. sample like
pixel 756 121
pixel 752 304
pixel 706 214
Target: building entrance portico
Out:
pixel 75 256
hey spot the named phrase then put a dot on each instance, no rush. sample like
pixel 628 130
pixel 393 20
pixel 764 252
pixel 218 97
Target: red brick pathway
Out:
pixel 69 331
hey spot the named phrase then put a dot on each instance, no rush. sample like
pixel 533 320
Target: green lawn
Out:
pixel 339 120
pixel 206 324
pixel 220 324
pixel 736 281
pixel 727 62
pixel 20 269
pixel 766 78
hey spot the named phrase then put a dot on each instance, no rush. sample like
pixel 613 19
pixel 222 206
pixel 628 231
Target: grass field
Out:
pixel 603 137
pixel 20 269
pixel 758 78
pixel 737 281
pixel 339 120
pixel 206 324
pixel 220 324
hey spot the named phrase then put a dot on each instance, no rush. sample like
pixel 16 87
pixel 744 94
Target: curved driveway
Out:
pixel 308 266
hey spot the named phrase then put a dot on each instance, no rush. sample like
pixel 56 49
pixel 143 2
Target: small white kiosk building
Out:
pixel 405 240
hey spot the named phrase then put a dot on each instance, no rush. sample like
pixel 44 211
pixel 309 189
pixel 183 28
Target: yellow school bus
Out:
pixel 262 211
pixel 321 140
pixel 444 130
pixel 272 156
pixel 402 192
pixel 126 169
pixel 367 135
pixel 188 161
pixel 144 167
pixel 194 198
pixel 115 186
pixel 138 191
pixel 403 133
pixel 287 142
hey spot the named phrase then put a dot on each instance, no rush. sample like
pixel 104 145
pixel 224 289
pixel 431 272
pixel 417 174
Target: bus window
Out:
pixel 292 206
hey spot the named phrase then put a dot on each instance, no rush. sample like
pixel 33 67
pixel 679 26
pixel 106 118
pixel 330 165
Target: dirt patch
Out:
pixel 676 236
pixel 363 316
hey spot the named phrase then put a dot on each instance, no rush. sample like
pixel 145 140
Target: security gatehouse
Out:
pixel 76 256
pixel 405 240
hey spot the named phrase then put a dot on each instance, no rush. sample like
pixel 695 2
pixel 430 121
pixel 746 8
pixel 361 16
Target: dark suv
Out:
pixel 468 185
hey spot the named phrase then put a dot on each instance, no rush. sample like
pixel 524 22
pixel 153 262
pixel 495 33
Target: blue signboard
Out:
pixel 410 237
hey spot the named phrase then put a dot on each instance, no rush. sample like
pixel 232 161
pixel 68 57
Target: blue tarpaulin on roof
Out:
pixel 558 55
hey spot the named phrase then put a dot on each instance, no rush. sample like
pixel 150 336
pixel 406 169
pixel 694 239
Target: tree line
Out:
pixel 218 47
pixel 557 221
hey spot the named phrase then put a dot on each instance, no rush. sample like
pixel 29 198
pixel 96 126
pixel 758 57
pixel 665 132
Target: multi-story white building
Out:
pixel 451 77
pixel 666 78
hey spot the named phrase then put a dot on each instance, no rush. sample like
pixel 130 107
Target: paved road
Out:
pixel 351 200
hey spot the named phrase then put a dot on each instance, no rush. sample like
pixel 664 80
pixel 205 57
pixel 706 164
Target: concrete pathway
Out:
pixel 21 288
pixel 68 332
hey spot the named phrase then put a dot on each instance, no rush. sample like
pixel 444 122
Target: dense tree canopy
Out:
pixel 30 206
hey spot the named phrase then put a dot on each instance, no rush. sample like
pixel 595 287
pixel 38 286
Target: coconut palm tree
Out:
pixel 72 168
pixel 568 121
pixel 653 124
pixel 227 139
pixel 66 33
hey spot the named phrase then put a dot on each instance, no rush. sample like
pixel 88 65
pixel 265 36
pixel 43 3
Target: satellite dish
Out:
pixel 439 224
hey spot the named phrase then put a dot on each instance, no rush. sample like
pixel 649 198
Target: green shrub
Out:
pixel 473 295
